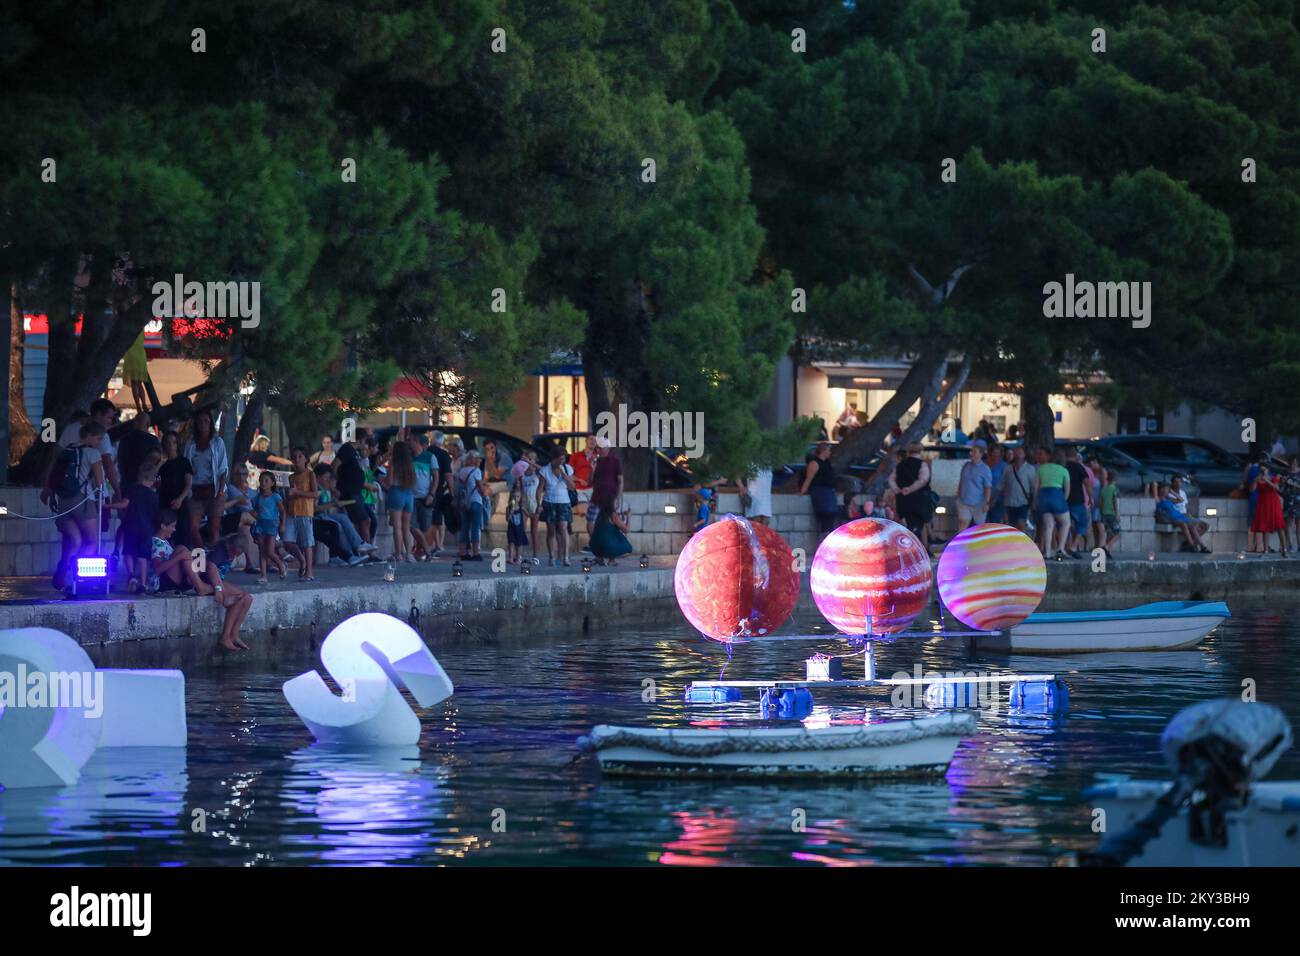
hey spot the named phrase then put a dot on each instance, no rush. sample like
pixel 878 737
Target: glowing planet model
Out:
pixel 874 567
pixel 991 577
pixel 736 580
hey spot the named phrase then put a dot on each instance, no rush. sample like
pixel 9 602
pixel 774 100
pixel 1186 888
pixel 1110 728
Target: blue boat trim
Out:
pixel 1159 609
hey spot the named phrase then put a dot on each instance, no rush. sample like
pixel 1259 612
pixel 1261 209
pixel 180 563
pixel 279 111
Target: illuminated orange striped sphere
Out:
pixel 991 577
pixel 871 566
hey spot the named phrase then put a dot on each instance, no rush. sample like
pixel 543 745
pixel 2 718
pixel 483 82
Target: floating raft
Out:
pixel 1161 626
pixel 916 747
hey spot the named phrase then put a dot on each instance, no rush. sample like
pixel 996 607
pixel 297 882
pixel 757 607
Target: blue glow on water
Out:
pixel 502 750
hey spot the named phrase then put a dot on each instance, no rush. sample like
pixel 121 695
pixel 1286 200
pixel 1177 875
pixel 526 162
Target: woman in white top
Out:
pixel 557 509
pixel 471 491
pixel 207 456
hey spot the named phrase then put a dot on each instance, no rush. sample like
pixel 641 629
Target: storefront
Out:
pixel 561 399
pixel 831 391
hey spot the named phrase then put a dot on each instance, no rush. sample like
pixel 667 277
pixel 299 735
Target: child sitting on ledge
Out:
pixel 174 569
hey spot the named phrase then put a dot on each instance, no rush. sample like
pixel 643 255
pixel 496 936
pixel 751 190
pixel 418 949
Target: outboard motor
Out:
pixel 1216 749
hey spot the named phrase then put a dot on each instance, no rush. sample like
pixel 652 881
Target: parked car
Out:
pixel 1130 474
pixel 671 470
pixel 1215 470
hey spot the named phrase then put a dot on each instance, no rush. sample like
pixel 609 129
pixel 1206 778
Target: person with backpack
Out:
pixel 73 490
pixel 102 413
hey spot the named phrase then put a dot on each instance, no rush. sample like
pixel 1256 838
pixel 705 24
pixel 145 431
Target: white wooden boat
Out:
pixel 1263 832
pixel 1161 626
pixel 920 746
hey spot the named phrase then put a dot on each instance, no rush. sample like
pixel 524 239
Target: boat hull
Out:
pixel 924 756
pixel 1265 832
pixel 1165 626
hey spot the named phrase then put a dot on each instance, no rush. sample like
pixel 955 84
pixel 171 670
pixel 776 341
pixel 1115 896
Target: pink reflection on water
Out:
pixel 706 838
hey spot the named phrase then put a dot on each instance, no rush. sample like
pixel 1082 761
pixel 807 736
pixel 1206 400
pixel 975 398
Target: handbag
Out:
pixel 1029 499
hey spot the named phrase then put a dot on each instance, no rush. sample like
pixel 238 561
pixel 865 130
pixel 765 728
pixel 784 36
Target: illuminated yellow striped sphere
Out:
pixel 991 577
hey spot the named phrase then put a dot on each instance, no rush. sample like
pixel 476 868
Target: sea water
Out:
pixel 496 778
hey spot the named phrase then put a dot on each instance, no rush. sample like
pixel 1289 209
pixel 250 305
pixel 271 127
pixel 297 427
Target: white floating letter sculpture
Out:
pixel 147 709
pixel 56 708
pixel 44 742
pixel 368 655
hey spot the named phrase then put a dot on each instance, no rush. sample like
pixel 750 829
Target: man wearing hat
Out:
pixel 974 488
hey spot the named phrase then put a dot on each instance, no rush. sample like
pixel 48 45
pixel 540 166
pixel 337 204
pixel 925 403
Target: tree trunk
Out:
pixel 80 368
pixel 593 376
pixel 22 433
pixel 244 433
pixel 866 441
pixel 935 400
pixel 637 462
pixel 1040 423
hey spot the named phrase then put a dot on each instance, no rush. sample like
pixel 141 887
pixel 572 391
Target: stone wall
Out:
pixel 26 547
pixel 660 522
pixel 1138 525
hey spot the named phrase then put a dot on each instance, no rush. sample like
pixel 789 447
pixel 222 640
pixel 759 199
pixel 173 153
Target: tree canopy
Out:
pixel 466 188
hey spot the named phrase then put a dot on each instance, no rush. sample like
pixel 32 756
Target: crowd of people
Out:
pixel 164 488
pixel 428 485
pixel 1067 501
pixel 189 519
pixel 1273 493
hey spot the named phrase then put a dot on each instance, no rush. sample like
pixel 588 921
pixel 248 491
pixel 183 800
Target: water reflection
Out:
pixel 122 791
pixel 505 743
pixel 360 807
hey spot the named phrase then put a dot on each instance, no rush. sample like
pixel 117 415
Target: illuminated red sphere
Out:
pixel 871 566
pixel 736 579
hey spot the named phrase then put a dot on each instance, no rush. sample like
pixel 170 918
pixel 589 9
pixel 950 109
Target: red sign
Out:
pixel 39 324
